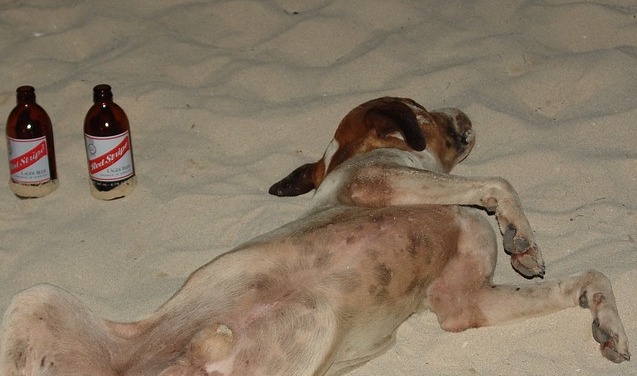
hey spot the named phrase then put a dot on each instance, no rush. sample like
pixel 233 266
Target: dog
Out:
pixel 390 233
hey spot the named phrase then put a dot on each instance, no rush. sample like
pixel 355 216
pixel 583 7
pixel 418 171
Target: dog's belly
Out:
pixel 370 266
pixel 360 256
pixel 345 278
pixel 373 267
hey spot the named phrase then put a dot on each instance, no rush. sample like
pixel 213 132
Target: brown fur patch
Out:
pixel 382 297
pixel 322 260
pixel 383 274
pixel 371 189
pixel 417 285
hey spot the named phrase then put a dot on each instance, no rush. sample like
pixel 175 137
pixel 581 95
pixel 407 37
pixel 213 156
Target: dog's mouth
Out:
pixel 466 137
pixel 465 143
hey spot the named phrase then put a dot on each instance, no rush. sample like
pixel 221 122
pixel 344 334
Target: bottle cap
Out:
pixel 102 92
pixel 25 93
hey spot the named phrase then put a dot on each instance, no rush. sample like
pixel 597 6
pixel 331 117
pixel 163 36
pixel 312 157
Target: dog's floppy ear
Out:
pixel 392 114
pixel 298 182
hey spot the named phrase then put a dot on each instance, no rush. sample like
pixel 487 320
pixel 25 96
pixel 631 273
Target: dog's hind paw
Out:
pixel 607 327
pixel 612 346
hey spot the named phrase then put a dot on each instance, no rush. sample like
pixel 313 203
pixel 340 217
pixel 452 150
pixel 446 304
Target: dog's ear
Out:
pixel 298 182
pixel 391 115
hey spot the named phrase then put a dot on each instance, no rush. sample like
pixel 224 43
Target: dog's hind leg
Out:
pixel 464 296
pixel 501 303
pixel 46 331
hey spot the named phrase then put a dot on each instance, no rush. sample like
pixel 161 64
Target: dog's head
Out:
pixel 387 122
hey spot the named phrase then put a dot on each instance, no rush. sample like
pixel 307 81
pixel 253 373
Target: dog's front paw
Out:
pixel 526 257
pixel 528 264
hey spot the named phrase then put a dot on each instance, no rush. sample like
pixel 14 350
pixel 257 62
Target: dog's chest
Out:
pixel 373 256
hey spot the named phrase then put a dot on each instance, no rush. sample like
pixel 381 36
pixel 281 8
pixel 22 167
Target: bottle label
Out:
pixel 109 158
pixel 29 160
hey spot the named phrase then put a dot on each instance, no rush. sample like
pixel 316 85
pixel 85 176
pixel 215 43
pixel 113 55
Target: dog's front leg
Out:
pixel 387 184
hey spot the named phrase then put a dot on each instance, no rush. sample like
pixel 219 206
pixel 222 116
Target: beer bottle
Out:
pixel 108 147
pixel 30 145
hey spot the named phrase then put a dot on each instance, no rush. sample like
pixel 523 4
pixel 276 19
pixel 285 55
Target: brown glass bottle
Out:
pixel 30 145
pixel 108 147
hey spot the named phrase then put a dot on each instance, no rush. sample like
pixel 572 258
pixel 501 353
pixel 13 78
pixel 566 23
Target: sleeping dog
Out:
pixel 390 232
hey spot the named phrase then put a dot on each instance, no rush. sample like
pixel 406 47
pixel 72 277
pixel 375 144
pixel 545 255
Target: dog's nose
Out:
pixel 467 137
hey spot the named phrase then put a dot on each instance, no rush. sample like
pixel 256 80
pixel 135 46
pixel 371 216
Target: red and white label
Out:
pixel 29 160
pixel 109 158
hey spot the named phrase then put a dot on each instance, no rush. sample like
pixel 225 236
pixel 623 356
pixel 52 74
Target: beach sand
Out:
pixel 226 97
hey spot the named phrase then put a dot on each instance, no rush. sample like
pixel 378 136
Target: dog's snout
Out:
pixel 466 137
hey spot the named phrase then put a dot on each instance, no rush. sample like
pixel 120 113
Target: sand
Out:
pixel 226 97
